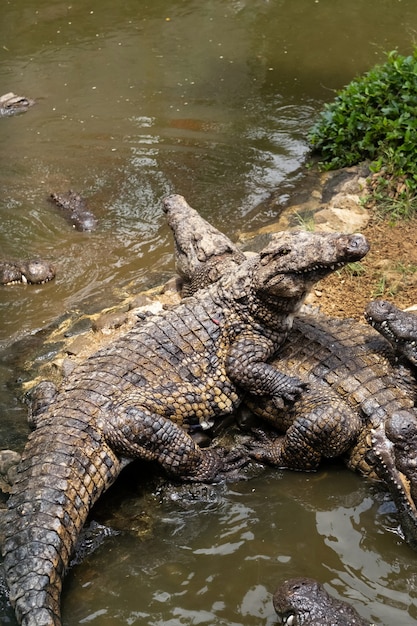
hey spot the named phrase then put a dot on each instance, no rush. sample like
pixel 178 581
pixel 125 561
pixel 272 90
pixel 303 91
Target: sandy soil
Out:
pixel 389 271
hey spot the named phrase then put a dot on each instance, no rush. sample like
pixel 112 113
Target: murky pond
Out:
pixel 212 100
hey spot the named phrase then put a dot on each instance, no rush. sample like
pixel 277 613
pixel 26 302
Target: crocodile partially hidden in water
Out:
pixel 138 397
pixel 75 209
pixel 11 104
pixel 34 271
pixel 355 386
pixel 305 602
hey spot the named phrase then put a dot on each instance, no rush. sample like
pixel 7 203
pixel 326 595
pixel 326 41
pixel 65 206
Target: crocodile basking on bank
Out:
pixel 35 271
pixel 138 397
pixel 354 385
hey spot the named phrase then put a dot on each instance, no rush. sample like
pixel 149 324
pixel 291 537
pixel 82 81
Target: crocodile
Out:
pixel 400 329
pixel 354 387
pixel 75 210
pixel 397 326
pixel 202 253
pixel 11 104
pixel 305 602
pixel 34 271
pixel 140 396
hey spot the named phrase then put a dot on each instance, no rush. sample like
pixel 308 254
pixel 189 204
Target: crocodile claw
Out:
pixel 292 391
pixel 262 446
pixel 220 464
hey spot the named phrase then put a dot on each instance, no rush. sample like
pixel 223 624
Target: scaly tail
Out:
pixel 63 471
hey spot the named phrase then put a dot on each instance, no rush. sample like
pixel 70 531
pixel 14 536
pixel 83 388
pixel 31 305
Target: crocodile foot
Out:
pixel 278 450
pixel 266 447
pixel 291 391
pixel 220 465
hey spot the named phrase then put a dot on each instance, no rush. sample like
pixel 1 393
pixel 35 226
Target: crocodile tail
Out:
pixel 58 481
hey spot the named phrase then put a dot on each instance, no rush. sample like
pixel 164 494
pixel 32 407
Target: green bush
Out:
pixel 375 118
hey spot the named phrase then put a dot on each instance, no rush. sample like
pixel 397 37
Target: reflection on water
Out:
pixel 211 100
pixel 218 561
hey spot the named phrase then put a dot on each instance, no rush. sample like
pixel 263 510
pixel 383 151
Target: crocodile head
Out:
pixel 394 451
pixel 397 326
pixel 36 271
pixel 304 601
pixel 11 104
pixel 294 261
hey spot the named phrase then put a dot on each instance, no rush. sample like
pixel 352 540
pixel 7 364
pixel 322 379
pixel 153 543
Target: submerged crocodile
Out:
pixel 11 104
pixel 305 602
pixel 138 397
pixel 354 388
pixel 35 271
pixel 75 210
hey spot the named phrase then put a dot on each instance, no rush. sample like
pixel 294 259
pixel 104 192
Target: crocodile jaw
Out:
pixel 399 485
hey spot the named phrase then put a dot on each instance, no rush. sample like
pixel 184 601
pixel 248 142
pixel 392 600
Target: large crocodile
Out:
pixel 354 386
pixel 137 398
pixel 35 271
pixel 305 602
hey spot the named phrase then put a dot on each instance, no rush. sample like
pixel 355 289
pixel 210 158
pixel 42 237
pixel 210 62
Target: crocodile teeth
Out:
pixel 24 279
pixel 290 620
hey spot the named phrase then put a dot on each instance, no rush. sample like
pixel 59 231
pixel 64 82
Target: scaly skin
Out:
pixel 202 253
pixel 397 326
pixel 346 359
pixel 355 387
pixel 400 432
pixel 305 602
pixel 137 397
pixel 75 209
pixel 353 384
pixel 36 271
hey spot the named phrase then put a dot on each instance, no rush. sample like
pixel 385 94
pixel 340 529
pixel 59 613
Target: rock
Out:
pixel 343 214
pixel 78 345
pixel 8 463
pixel 110 321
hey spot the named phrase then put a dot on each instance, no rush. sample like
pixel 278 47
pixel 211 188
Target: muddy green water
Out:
pixel 212 100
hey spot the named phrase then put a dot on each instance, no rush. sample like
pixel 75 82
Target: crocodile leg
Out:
pixel 134 432
pixel 246 366
pixel 318 425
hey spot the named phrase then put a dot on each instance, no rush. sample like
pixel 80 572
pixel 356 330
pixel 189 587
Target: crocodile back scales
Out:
pixel 354 362
pixel 173 364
